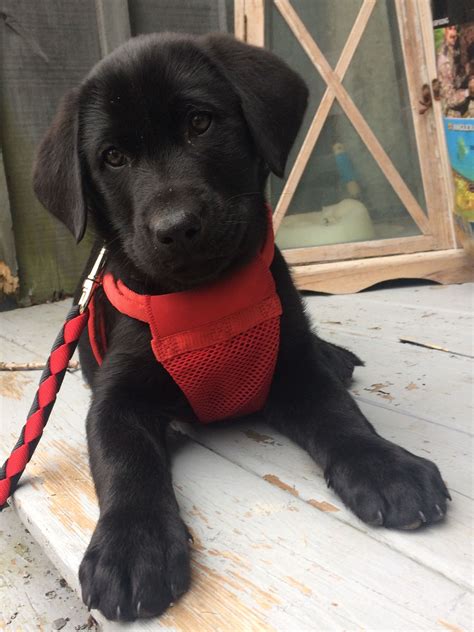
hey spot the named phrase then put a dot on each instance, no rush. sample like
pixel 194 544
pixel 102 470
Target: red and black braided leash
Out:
pixel 49 385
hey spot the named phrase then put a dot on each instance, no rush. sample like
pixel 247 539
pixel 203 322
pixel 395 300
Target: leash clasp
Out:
pixel 92 281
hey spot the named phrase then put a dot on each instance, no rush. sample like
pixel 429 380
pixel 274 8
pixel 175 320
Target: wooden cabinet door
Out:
pixel 368 173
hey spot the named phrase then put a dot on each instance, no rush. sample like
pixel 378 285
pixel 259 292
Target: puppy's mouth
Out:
pixel 194 271
pixel 206 262
pixel 197 272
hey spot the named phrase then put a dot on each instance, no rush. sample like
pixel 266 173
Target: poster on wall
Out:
pixel 453 23
pixel 460 140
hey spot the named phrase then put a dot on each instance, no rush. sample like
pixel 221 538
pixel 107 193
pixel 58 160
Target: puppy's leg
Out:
pixel 340 361
pixel 379 481
pixel 137 562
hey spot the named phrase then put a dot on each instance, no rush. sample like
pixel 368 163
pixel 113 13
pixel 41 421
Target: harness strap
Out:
pixel 125 300
pixel 96 331
pixel 207 303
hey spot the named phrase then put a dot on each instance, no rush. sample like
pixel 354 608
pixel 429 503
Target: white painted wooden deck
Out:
pixel 274 548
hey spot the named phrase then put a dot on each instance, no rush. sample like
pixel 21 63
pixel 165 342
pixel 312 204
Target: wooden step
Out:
pixel 274 548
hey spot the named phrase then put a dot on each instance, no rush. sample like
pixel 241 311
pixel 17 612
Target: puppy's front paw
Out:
pixel 135 566
pixel 384 484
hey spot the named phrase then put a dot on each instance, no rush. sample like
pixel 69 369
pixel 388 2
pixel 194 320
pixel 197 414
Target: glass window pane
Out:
pixel 376 82
pixel 343 195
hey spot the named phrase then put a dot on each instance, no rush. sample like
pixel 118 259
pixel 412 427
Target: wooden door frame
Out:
pixel 436 228
pixel 416 31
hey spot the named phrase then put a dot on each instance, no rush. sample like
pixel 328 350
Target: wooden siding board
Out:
pixel 113 24
pixel 46 48
pixel 7 242
pixel 8 262
pixel 186 16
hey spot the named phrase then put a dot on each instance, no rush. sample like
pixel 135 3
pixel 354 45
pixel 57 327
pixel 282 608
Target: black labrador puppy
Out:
pixel 167 145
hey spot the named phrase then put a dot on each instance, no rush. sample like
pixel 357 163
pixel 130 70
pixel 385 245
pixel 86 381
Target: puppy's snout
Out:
pixel 178 229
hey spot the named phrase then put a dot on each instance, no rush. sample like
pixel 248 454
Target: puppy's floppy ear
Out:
pixel 272 95
pixel 57 178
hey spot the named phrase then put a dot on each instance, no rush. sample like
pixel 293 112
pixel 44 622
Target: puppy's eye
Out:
pixel 114 157
pixel 200 122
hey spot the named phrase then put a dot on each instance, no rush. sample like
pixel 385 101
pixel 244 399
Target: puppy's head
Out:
pixel 167 143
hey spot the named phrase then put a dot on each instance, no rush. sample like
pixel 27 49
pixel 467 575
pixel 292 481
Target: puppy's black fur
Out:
pixel 167 145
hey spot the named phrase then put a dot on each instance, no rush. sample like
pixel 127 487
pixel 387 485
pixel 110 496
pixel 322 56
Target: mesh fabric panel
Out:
pixel 230 378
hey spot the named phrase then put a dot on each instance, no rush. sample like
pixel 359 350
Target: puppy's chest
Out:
pixel 218 346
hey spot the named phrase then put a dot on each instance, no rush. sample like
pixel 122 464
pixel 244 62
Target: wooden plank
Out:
pixel 8 263
pixel 411 380
pixel 255 22
pixel 27 574
pixel 452 451
pixel 350 109
pixel 438 143
pixel 260 449
pixel 347 277
pixel 322 112
pixel 12 385
pixel 366 323
pixel 263 559
pixel 239 20
pixel 113 24
pixel 366 327
pixel 375 315
pixel 444 298
pixel 17 352
pixel 16 327
pixel 46 48
pixel 429 143
pixel 359 250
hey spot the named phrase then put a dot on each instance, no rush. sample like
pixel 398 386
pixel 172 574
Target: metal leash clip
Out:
pixel 92 281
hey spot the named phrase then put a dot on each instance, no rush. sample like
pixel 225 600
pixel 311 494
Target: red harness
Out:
pixel 219 343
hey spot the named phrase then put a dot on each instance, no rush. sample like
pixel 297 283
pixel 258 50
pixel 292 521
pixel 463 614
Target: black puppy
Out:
pixel 167 144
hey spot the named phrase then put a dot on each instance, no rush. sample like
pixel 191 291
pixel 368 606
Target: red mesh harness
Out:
pixel 219 343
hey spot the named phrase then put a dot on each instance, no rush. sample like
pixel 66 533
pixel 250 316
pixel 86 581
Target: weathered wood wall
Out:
pixel 185 16
pixel 46 47
pixel 8 264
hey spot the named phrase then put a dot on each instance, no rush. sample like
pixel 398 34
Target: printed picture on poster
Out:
pixel 460 140
pixel 455 65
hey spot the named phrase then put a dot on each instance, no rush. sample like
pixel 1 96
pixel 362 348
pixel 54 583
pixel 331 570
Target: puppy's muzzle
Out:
pixel 177 231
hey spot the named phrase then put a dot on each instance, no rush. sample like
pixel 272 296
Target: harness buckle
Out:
pixel 92 280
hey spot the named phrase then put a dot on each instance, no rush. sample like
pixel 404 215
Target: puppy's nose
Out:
pixel 176 229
